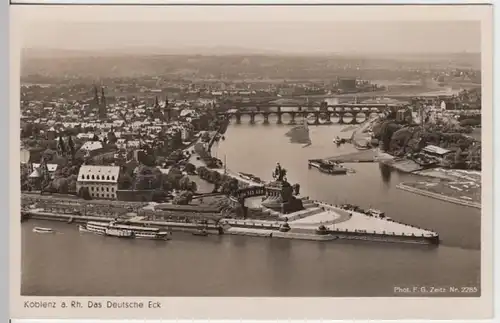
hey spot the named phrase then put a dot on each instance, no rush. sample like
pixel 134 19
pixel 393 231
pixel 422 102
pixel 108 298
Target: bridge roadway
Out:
pixel 318 114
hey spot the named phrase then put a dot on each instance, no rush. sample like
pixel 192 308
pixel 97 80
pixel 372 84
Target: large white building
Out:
pixel 102 181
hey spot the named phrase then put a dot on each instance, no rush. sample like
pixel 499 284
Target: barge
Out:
pixel 328 167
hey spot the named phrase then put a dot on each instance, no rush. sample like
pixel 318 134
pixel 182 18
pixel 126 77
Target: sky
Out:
pixel 286 34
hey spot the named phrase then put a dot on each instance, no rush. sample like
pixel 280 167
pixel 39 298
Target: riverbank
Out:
pixel 360 136
pixel 337 223
pixel 80 219
pixel 361 156
pixel 305 224
pixel 445 191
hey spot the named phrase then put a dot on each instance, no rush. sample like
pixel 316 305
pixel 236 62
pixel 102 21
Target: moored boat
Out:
pixel 285 227
pixel 339 141
pixel 42 230
pixel 114 229
pixel 201 232
pixel 322 230
pixel 250 177
pixel 328 167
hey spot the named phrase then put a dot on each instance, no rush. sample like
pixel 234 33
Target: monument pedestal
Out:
pixel 280 198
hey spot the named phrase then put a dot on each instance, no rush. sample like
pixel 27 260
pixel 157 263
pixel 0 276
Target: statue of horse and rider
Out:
pixel 279 173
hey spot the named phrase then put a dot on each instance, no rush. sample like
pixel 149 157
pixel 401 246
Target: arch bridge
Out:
pixel 326 114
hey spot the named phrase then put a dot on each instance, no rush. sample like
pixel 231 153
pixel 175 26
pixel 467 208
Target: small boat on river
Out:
pixel 201 232
pixel 43 230
pixel 339 141
pixel 329 167
pixel 250 177
pixel 322 230
pixel 118 230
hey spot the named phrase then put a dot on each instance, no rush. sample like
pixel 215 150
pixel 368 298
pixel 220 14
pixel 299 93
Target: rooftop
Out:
pixel 104 174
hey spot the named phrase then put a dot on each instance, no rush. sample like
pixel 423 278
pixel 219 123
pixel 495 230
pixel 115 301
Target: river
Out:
pixel 71 264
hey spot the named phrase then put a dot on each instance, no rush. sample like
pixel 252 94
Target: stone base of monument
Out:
pixel 280 198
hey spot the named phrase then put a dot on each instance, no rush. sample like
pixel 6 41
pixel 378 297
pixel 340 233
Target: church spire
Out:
pixel 102 106
pixel 103 98
pixel 96 95
pixel 166 112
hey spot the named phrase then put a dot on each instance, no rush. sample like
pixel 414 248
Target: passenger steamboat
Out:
pixel 115 229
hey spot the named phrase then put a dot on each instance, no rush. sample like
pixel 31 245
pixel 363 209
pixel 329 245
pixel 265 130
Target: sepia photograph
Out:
pixel 197 156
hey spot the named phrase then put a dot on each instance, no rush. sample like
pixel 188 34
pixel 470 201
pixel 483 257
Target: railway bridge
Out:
pixel 326 114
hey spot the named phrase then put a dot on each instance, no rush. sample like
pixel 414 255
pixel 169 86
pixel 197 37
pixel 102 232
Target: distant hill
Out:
pixel 234 62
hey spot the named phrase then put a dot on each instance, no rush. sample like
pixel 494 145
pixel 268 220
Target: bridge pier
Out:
pixel 317 117
pixel 266 118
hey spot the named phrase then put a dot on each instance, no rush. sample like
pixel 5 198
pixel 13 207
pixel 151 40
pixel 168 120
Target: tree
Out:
pixel 124 181
pixel 459 160
pixel 176 140
pixel 71 147
pixel 84 193
pixel 205 137
pixel 48 155
pixel 174 177
pixel 166 183
pixel 61 185
pixel 72 179
pixel 193 187
pixel 176 155
pixel 183 198
pixel 184 183
pixel 112 137
pixel 215 177
pixel 202 172
pixel 61 145
pixel 230 186
pixel 144 182
pixel 190 168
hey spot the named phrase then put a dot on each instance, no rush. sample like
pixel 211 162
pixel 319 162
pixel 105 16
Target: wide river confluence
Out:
pixel 73 264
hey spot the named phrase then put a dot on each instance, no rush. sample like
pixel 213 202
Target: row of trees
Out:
pixel 151 178
pixel 205 155
pixel 223 183
pixel 63 181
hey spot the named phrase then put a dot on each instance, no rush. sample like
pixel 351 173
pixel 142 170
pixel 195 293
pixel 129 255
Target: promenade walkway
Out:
pixel 369 224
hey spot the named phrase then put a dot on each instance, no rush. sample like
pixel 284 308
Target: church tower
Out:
pixel 102 106
pixel 166 111
pixel 96 96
